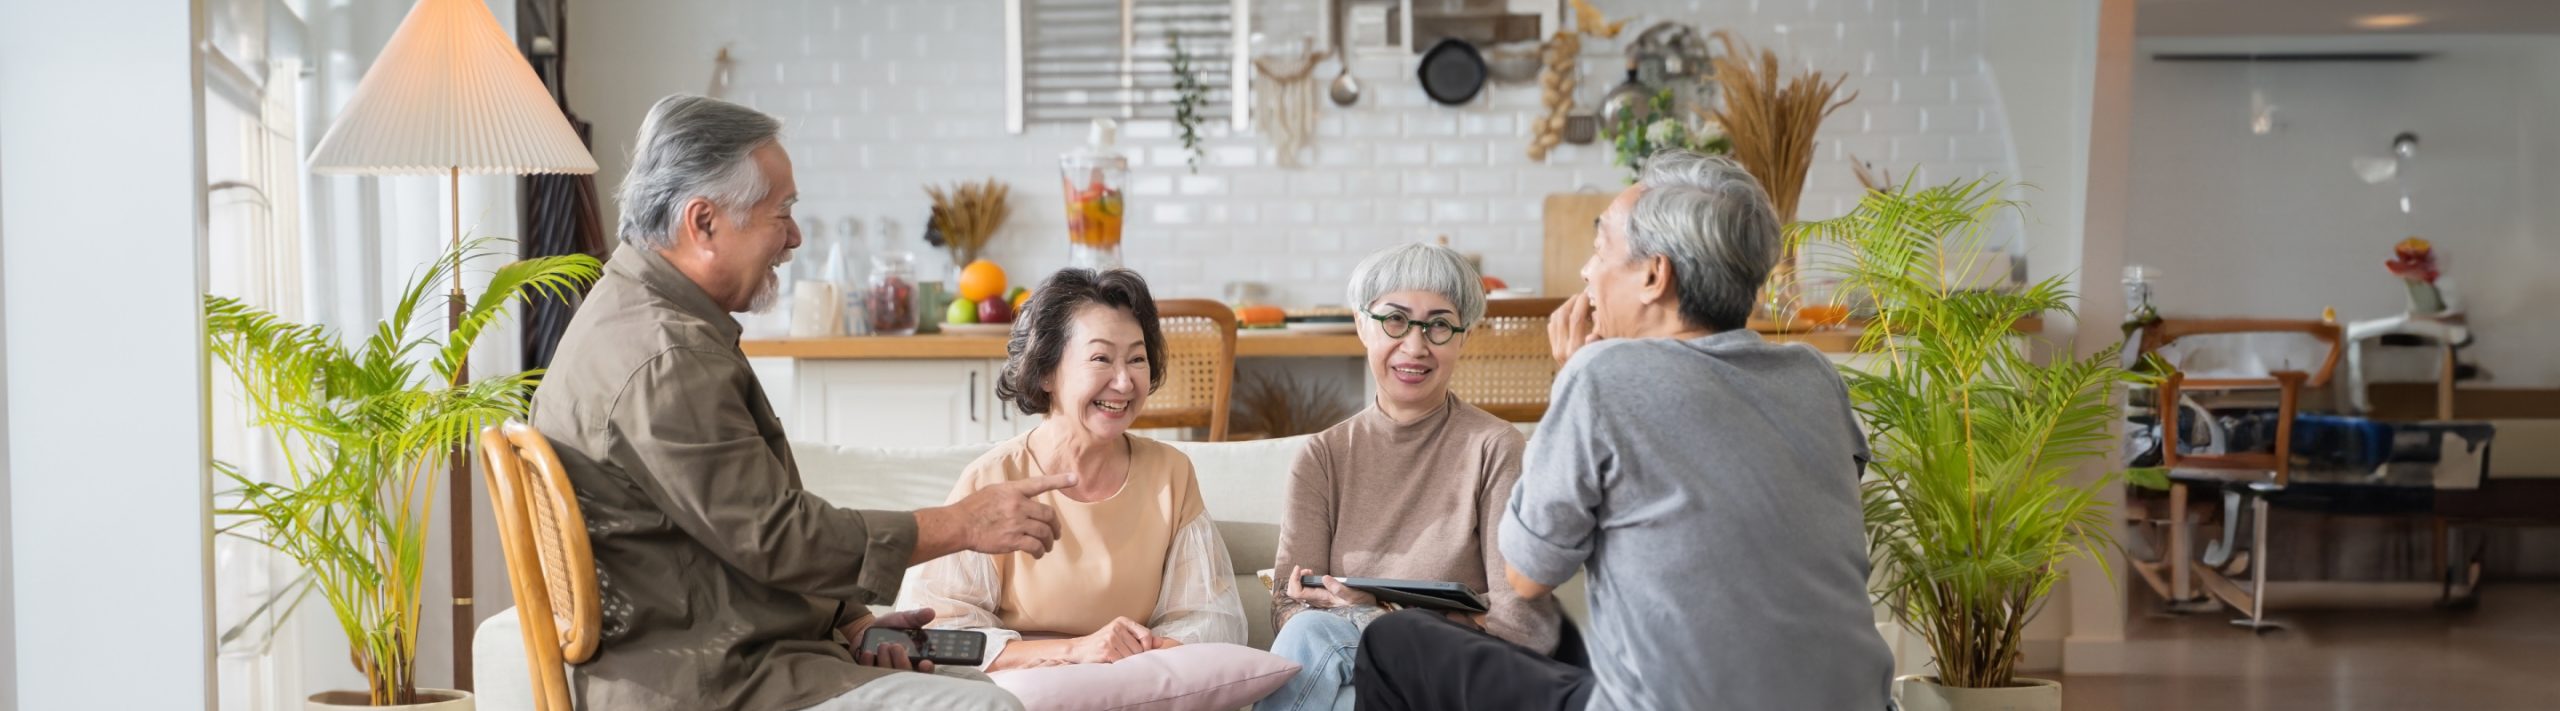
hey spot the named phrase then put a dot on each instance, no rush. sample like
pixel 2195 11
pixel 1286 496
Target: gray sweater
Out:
pixel 1711 488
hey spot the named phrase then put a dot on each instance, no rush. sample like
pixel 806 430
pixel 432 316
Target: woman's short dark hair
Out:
pixel 1040 332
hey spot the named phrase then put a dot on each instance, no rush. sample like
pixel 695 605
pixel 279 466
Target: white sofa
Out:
pixel 1243 483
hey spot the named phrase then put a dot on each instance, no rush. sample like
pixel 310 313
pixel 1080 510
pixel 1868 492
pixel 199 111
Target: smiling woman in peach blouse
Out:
pixel 1412 487
pixel 1138 565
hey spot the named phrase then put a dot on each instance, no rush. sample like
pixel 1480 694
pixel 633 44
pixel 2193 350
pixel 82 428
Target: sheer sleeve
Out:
pixel 961 588
pixel 1198 599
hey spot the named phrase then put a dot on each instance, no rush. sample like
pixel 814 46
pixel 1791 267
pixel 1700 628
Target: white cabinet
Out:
pixel 1009 421
pixel 901 403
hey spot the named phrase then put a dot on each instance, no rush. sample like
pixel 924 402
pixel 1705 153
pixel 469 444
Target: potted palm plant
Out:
pixel 1973 502
pixel 364 431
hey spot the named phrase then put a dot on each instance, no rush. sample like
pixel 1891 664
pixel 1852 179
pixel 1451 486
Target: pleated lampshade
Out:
pixel 450 92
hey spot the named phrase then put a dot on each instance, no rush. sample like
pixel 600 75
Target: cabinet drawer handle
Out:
pixel 973 396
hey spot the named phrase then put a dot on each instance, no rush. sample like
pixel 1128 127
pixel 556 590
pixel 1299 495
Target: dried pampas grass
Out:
pixel 967 214
pixel 1772 124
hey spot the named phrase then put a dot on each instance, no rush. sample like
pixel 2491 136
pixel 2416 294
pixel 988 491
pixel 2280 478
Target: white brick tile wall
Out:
pixel 884 96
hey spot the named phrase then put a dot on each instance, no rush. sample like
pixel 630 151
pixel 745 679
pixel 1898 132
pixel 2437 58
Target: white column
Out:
pixel 101 212
pixel 2096 643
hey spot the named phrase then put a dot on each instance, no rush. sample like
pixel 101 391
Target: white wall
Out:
pixel 2276 225
pixel 100 214
pixel 884 97
pixel 2041 59
pixel 8 578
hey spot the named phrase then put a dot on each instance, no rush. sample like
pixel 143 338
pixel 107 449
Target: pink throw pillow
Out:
pixel 1204 677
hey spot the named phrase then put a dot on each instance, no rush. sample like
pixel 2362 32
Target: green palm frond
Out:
pixel 364 440
pixel 546 277
pixel 1973 502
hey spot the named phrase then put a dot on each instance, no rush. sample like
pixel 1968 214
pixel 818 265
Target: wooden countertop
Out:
pixel 1277 345
pixel 946 346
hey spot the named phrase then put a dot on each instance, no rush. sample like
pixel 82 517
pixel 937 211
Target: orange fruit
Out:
pixel 982 280
pixel 1018 299
pixel 1261 316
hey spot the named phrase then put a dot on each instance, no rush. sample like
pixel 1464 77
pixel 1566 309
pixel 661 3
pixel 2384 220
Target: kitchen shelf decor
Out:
pixel 1072 61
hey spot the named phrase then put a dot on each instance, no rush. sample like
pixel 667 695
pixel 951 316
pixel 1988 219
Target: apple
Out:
pixel 1014 296
pixel 961 311
pixel 995 311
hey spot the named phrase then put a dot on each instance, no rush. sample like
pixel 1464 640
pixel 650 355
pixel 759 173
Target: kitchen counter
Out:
pixel 1275 345
pixel 934 346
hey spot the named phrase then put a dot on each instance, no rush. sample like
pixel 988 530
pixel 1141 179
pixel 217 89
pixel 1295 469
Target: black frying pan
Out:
pixel 1452 72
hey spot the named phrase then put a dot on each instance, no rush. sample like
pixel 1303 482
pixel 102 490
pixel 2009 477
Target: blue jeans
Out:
pixel 1323 645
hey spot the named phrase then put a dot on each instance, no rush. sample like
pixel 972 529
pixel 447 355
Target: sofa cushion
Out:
pixel 884 478
pixel 1205 677
pixel 1246 486
pixel 500 679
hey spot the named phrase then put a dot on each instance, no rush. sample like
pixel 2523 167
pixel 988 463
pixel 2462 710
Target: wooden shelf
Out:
pixel 919 347
pixel 1295 345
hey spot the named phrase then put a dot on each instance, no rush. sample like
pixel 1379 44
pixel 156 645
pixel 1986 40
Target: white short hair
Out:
pixel 1710 218
pixel 1420 267
pixel 689 147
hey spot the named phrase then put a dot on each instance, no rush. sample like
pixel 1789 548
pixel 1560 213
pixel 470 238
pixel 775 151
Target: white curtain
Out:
pixel 333 250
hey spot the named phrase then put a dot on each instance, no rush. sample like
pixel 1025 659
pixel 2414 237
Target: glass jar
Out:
pixel 1093 177
pixel 889 303
pixel 817 294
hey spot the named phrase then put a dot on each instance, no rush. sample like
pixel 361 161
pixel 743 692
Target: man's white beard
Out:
pixel 770 292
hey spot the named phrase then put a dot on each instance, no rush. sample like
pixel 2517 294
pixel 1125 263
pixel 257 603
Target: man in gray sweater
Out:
pixel 1708 480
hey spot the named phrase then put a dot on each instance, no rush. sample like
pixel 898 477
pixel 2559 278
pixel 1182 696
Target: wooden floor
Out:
pixel 2505 654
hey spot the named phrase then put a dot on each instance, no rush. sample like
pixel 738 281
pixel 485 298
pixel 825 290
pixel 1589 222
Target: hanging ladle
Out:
pixel 1346 90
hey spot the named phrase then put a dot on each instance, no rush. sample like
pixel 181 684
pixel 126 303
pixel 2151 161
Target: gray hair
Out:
pixel 1420 267
pixel 689 147
pixel 1711 220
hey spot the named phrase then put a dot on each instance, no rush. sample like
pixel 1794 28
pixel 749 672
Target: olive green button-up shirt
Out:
pixel 721 578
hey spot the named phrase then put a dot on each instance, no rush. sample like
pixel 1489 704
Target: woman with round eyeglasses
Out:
pixel 1412 487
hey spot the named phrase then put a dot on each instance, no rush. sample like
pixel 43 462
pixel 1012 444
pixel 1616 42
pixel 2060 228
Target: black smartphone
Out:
pixel 958 647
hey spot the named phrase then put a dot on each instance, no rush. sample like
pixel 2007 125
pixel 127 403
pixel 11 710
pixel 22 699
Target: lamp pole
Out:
pixel 459 463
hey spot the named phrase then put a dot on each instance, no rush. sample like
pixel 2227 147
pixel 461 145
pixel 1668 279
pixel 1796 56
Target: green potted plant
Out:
pixel 1973 502
pixel 364 435
pixel 1640 134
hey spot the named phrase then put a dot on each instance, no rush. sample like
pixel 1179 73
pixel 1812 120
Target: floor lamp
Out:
pixel 451 95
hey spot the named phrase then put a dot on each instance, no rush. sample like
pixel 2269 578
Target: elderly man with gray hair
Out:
pixel 1706 479
pixel 723 581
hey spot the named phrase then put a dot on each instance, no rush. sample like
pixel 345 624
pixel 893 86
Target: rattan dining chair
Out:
pixel 550 569
pixel 1199 369
pixel 1507 368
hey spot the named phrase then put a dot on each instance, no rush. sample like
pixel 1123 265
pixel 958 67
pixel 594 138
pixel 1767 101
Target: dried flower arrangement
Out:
pixel 965 216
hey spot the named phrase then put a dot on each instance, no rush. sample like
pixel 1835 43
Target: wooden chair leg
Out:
pixel 2181 556
pixel 2437 556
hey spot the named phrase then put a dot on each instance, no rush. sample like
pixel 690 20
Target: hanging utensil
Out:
pixel 1452 72
pixel 1345 90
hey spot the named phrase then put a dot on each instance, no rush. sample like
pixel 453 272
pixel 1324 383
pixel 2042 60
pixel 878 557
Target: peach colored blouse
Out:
pixel 1149 553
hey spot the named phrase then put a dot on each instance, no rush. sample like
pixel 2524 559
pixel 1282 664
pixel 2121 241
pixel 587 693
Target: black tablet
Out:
pixel 1425 594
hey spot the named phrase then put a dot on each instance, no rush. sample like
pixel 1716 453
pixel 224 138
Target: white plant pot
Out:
pixel 1922 693
pixel 429 700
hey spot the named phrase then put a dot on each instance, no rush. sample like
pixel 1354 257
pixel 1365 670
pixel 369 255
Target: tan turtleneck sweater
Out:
pixel 1422 500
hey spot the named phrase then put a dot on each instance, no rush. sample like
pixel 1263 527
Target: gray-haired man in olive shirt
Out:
pixel 1707 479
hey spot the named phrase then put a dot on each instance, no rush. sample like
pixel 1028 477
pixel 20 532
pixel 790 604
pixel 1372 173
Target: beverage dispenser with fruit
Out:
pixel 1093 176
